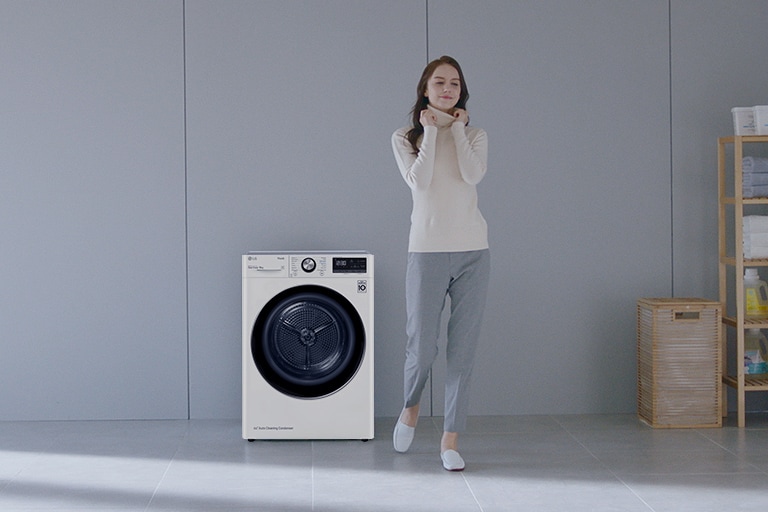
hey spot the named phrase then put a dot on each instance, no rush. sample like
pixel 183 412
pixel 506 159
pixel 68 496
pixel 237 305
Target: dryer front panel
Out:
pixel 308 341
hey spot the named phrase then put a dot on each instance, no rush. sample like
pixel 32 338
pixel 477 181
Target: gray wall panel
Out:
pixel 92 300
pixel 717 64
pixel 575 99
pixel 290 109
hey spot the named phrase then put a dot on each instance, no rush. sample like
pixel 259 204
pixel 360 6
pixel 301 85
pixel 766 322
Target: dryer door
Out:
pixel 308 341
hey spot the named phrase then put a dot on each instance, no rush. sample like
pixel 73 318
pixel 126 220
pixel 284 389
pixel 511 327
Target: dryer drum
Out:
pixel 308 341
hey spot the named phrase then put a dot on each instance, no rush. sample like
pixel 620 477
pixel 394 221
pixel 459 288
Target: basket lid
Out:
pixel 677 301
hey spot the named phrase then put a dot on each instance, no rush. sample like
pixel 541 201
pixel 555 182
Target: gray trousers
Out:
pixel 430 278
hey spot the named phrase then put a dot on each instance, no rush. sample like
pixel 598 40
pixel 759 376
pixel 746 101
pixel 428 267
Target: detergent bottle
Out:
pixel 755 295
pixel 755 352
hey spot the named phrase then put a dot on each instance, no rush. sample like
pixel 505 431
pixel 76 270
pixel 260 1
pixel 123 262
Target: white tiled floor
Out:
pixel 514 463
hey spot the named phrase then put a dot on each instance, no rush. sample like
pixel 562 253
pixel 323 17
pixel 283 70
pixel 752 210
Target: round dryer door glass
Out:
pixel 308 341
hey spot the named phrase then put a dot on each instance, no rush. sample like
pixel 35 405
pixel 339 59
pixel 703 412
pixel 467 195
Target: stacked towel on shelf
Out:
pixel 755 224
pixel 755 236
pixel 754 177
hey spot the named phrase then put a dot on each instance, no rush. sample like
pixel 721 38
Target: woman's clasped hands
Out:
pixel 428 118
pixel 460 115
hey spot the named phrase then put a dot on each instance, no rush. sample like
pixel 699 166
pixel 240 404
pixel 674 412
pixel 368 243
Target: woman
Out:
pixel 442 160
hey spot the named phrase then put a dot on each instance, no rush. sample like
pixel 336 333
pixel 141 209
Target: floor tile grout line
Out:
pixel 39 454
pixel 160 480
pixel 629 487
pixel 182 441
pixel 604 465
pixel 474 496
pixel 728 450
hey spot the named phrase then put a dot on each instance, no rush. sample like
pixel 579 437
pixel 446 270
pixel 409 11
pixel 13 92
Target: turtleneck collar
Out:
pixel 443 118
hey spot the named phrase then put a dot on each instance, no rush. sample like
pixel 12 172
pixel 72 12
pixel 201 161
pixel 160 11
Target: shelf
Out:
pixel 745 200
pixel 730 260
pixel 749 323
pixel 751 382
pixel 731 211
pixel 744 138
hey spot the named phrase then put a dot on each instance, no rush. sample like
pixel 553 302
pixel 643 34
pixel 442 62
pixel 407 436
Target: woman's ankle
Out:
pixel 449 441
pixel 410 415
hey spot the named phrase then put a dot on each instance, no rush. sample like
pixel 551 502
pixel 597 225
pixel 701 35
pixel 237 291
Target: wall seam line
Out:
pixel 186 198
pixel 671 159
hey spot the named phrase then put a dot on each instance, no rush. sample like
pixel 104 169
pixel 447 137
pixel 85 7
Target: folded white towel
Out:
pixel 755 245
pixel 756 239
pixel 756 253
pixel 754 164
pixel 751 252
pixel 755 224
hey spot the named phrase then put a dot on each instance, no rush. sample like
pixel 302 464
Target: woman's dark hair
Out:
pixel 422 101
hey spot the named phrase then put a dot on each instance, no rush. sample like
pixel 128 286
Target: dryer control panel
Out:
pixel 327 265
pixel 306 264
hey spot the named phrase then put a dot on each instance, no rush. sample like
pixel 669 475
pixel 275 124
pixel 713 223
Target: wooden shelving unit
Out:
pixel 733 263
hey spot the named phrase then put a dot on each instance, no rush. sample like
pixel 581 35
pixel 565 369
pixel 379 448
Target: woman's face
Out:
pixel 443 88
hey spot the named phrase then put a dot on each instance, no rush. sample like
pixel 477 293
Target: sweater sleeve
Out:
pixel 472 154
pixel 417 170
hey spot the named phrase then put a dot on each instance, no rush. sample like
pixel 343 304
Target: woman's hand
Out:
pixel 427 118
pixel 460 114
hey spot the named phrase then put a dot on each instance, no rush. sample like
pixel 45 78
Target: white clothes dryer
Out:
pixel 307 345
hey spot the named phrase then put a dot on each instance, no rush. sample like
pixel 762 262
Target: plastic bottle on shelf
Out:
pixel 755 352
pixel 755 295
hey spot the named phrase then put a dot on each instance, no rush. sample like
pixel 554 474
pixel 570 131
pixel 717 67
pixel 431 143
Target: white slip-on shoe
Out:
pixel 402 437
pixel 452 461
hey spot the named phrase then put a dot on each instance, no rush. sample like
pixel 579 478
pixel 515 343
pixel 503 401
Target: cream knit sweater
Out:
pixel 451 161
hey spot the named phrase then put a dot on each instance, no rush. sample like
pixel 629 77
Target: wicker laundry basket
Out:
pixel 678 362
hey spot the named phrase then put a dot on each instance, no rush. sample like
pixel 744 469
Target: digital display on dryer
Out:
pixel 350 265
